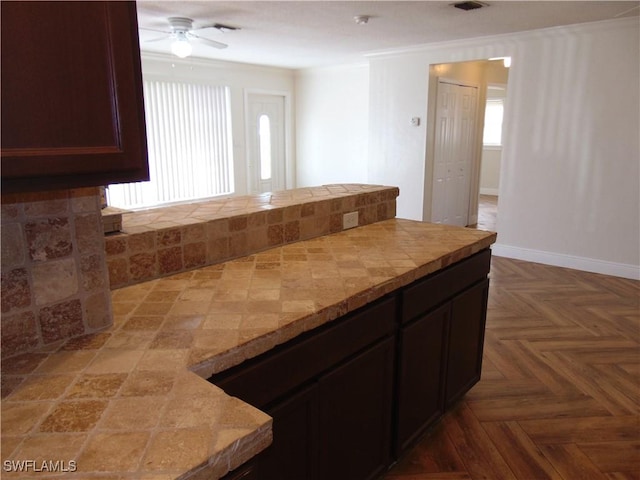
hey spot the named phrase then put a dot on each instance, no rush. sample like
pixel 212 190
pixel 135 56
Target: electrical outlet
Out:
pixel 349 220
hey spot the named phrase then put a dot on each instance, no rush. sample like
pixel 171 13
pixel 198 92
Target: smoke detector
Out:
pixel 361 19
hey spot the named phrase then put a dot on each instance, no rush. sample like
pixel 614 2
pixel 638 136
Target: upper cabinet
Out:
pixel 72 104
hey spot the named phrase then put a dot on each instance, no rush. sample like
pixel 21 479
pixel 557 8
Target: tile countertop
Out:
pixel 133 402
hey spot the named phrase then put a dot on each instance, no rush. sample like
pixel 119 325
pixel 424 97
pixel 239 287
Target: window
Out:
pixel 190 146
pixel 265 147
pixel 492 135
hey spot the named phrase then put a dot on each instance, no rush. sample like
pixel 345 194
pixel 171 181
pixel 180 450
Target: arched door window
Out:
pixel 265 143
pixel 264 128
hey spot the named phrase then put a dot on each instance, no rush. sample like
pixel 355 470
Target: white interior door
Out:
pixel 454 153
pixel 266 143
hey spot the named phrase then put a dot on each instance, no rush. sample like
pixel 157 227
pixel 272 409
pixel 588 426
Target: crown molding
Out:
pixel 508 38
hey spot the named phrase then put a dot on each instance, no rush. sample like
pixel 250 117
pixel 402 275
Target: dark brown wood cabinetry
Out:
pixel 295 425
pixel 466 339
pixel 338 427
pixel 72 105
pixel 351 397
pixel 330 395
pixel 441 338
pixel 355 416
pixel 420 388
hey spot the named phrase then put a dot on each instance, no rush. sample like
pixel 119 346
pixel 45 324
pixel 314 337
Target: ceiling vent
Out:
pixel 470 5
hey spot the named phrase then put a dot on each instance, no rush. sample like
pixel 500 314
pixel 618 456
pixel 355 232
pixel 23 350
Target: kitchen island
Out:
pixel 133 401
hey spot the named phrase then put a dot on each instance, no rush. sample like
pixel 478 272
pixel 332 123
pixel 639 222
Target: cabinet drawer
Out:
pixel 427 293
pixel 264 379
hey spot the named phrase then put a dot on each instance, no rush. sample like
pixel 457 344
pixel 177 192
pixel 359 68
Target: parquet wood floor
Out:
pixel 487 212
pixel 560 390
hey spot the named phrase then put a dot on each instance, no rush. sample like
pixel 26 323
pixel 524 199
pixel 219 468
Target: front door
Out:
pixel 454 153
pixel 266 143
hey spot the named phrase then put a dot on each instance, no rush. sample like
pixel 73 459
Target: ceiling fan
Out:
pixel 181 32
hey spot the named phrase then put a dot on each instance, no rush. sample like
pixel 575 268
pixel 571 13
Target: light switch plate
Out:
pixel 349 220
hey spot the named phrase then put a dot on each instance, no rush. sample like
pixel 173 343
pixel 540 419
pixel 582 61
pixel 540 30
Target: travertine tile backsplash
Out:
pixel 54 275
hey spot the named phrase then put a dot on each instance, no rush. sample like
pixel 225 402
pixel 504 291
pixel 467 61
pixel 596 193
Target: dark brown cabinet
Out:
pixel 72 105
pixel 294 451
pixel 349 398
pixel 330 394
pixel 466 339
pixel 338 427
pixel 421 360
pixel 441 338
pixel 355 404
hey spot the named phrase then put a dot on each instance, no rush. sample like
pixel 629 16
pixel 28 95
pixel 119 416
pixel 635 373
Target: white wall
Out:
pixel 490 171
pixel 398 92
pixel 240 78
pixel 577 136
pixel 570 179
pixel 332 115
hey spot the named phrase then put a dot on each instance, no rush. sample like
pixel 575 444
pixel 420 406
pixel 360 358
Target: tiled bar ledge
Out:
pixel 163 241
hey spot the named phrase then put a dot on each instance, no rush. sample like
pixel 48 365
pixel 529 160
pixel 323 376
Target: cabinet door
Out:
pixel 72 105
pixel 293 453
pixel 420 399
pixel 466 339
pixel 355 416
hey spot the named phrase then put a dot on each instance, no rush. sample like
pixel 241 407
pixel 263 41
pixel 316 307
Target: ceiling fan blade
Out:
pixel 154 30
pixel 211 43
pixel 221 27
pixel 164 37
pixel 156 39
pixel 225 28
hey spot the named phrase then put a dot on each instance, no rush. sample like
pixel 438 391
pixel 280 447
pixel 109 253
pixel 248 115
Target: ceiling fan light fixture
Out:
pixel 181 47
pixel 180 24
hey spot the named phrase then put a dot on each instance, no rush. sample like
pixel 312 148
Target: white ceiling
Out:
pixel 304 34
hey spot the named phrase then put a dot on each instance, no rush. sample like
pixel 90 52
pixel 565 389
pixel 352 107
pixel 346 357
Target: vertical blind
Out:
pixel 189 143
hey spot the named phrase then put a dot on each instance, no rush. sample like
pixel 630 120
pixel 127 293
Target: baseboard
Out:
pixel 568 261
pixel 489 191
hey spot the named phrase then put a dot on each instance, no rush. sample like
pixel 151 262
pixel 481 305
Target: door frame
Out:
pixel 289 163
pixel 474 171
